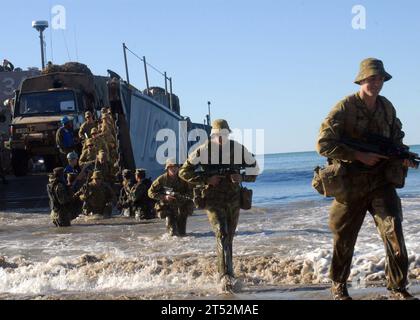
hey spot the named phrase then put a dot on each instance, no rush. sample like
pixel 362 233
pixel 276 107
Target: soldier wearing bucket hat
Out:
pixel 220 127
pixel 142 204
pixel 60 198
pixel 89 153
pixel 174 208
pixel 221 194
pixel 371 67
pixel 99 141
pixel 87 126
pixel 124 201
pixel 369 181
pixel 97 196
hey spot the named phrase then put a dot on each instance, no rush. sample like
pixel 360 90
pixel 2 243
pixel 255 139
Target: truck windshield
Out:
pixel 46 103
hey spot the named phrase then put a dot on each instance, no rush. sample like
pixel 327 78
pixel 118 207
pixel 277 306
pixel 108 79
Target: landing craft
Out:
pixel 71 89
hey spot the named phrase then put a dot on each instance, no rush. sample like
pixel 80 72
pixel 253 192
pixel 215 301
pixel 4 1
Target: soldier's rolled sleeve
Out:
pixel 330 134
pixel 188 174
pixel 154 191
pixel 255 171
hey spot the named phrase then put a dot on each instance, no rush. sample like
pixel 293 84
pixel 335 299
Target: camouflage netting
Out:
pixel 155 90
pixel 67 67
pixel 158 94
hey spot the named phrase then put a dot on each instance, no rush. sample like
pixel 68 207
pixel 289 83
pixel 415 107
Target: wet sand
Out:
pixel 299 292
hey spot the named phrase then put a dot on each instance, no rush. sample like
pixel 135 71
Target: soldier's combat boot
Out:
pixel 339 291
pixel 226 282
pixel 401 294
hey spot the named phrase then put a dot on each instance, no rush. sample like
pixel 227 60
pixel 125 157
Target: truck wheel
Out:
pixel 19 163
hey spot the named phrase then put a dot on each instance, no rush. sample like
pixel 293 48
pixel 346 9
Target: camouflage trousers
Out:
pixel 345 222
pixel 105 211
pixel 61 218
pixel 176 219
pixel 224 221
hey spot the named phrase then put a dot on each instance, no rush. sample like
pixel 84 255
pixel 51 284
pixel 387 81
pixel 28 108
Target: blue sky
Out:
pixel 273 65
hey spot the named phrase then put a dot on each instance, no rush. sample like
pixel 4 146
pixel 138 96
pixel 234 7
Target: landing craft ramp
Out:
pixel 140 119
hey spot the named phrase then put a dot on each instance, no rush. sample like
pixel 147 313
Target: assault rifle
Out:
pixel 177 195
pixel 383 146
pixel 88 169
pixel 222 170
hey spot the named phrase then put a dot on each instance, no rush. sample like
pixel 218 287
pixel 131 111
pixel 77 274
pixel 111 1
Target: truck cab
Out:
pixel 40 104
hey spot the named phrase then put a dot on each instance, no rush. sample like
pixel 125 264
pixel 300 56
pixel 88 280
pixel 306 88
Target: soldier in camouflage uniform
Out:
pixel 124 200
pixel 107 131
pixel 87 126
pixel 175 209
pixel 60 198
pixel 103 165
pixel 142 204
pixel 99 141
pixel 222 193
pixel 369 182
pixel 97 196
pixel 89 154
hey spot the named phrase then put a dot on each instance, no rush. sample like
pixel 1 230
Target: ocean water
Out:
pixel 282 241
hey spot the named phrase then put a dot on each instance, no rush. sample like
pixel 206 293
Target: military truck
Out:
pixel 39 105
pixel 9 82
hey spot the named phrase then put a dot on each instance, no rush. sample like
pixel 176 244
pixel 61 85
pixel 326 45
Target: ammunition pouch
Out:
pixel 395 173
pixel 330 180
pixel 245 198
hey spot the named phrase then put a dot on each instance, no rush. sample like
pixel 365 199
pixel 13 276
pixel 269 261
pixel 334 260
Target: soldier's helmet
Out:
pixel 220 127
pixel 89 142
pixel 371 67
pixel 72 156
pixel 126 173
pixel 58 172
pixel 105 110
pixel 141 172
pixel 65 120
pixel 170 162
pixel 97 174
pixel 94 131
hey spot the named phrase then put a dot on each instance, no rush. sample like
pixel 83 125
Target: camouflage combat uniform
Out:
pixel 61 200
pixel 105 168
pixel 85 130
pixel 97 197
pixel 142 204
pixel 368 188
pixel 222 202
pixel 88 155
pixel 176 212
pixel 124 199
